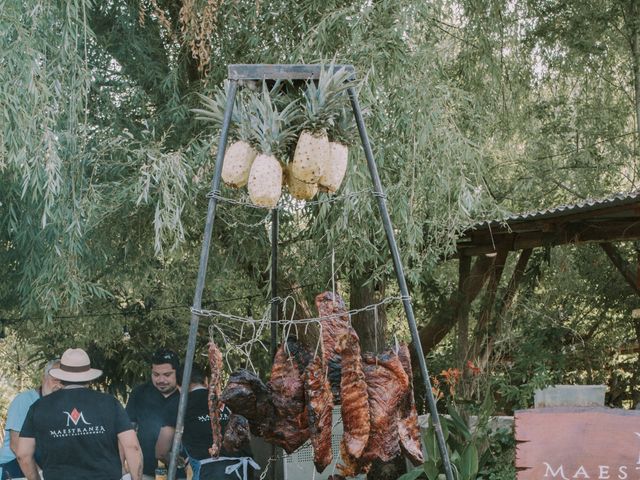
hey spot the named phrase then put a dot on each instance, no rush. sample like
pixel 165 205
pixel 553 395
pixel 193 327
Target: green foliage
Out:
pixel 501 461
pixel 273 130
pixel 323 100
pixel 241 127
pixel 473 109
pixel 466 447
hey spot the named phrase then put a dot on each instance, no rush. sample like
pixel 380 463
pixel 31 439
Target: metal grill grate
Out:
pixel 305 453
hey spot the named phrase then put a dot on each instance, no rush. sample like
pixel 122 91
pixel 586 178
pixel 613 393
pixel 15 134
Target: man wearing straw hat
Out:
pixel 78 431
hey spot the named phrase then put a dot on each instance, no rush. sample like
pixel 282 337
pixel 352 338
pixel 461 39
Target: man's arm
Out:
pixel 128 441
pixel 25 454
pixel 13 441
pixel 164 443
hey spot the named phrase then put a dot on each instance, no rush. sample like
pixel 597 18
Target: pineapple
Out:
pixel 341 137
pixel 313 154
pixel 240 154
pixel 272 133
pixel 298 189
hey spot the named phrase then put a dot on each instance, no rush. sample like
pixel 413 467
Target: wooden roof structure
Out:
pixel 489 244
pixel 613 219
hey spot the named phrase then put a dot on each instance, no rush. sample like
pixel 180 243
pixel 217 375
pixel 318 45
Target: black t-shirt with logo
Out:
pixel 76 432
pixel 146 408
pixel 197 436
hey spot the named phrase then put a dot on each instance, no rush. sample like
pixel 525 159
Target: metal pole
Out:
pixel 397 263
pixel 274 281
pixel 275 304
pixel 202 273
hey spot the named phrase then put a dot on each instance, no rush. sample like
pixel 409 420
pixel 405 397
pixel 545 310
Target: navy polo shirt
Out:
pixel 147 408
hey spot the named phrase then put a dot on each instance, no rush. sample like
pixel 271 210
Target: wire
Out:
pixel 153 309
pixel 301 321
pixel 288 205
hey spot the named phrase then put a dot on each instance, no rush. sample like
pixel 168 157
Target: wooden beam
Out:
pixel 571 234
pixel 514 281
pixel 529 224
pixel 444 320
pixel 490 297
pixel 622 265
pixel 462 313
pixel 280 71
pixel 505 303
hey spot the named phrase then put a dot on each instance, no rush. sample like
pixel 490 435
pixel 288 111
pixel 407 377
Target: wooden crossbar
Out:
pixel 280 71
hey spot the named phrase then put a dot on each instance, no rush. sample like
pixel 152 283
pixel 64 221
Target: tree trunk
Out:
pixel 371 325
pixel 444 320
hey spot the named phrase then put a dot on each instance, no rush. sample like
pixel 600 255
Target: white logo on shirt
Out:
pixel 74 417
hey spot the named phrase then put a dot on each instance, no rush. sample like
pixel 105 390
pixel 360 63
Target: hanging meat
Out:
pixel 247 395
pixel 236 435
pixel 291 427
pixel 408 426
pixel 320 409
pixel 332 306
pixel 387 386
pixel 215 391
pixel 353 391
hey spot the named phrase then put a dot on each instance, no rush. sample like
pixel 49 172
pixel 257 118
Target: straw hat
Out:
pixel 75 366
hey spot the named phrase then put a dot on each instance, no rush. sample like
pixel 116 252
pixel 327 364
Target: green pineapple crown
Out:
pixel 323 102
pixel 214 107
pixel 344 128
pixel 272 130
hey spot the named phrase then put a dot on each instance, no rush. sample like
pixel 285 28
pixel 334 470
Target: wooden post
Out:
pixel 506 302
pixel 444 320
pixel 621 264
pixel 490 297
pixel 514 281
pixel 462 313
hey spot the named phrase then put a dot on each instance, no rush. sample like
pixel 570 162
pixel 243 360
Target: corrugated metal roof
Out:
pixel 588 205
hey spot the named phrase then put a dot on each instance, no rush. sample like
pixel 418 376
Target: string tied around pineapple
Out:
pixel 289 203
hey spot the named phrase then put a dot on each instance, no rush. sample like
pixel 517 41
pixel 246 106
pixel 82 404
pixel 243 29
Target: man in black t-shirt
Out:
pixel 78 432
pixel 148 402
pixel 197 436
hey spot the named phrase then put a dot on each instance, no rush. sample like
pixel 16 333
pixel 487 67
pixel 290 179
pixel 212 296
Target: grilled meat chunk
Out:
pixel 387 386
pixel 354 394
pixel 336 324
pixel 247 395
pixel 236 435
pixel 291 427
pixel 408 425
pixel 215 391
pixel 319 408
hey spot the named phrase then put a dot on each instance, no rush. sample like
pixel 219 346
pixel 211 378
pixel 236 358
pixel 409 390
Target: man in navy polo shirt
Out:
pixel 149 402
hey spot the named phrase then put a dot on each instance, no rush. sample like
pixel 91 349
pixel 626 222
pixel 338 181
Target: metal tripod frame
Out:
pixel 247 73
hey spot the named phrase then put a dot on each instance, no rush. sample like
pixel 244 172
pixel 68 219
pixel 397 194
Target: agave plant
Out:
pixel 240 154
pixel 272 132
